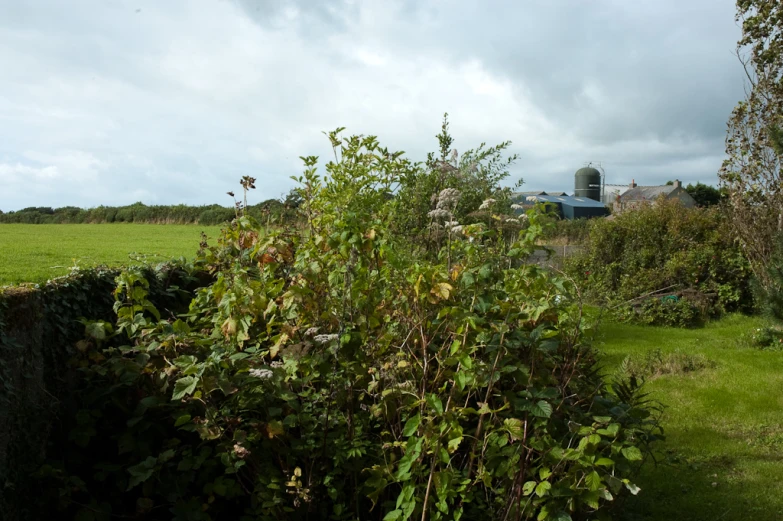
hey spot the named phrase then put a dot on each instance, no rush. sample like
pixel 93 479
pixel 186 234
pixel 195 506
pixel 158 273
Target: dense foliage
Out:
pixel 271 211
pixel 752 172
pixel 38 330
pixel 705 195
pixel 476 175
pixel 342 373
pixel 664 264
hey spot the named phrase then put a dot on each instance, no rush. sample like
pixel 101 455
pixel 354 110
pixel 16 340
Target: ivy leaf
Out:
pixel 411 425
pixel 184 387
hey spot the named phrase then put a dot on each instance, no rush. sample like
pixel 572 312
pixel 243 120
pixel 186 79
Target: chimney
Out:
pixel 677 183
pixel 633 183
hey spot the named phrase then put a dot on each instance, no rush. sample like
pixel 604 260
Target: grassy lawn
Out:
pixel 724 425
pixel 37 252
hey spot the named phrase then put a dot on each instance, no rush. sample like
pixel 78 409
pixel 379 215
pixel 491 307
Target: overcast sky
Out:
pixel 117 101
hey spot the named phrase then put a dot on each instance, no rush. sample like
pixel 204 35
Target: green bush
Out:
pixel 639 256
pixel 338 374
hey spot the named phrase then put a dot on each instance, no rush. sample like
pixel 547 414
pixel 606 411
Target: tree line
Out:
pixel 269 211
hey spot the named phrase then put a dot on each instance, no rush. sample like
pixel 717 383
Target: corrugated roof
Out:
pixel 577 202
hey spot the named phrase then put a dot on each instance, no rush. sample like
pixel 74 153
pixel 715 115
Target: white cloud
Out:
pixel 176 102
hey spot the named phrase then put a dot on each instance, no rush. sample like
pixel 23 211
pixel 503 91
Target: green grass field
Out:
pixel 724 425
pixel 37 252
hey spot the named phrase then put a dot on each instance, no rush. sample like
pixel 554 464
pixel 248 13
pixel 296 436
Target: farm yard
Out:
pixel 38 252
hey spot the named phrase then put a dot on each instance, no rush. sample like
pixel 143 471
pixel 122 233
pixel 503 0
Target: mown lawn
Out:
pixel 37 252
pixel 723 457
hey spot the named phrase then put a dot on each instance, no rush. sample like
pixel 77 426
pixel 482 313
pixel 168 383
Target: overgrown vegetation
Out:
pixel 664 265
pixel 346 373
pixel 752 172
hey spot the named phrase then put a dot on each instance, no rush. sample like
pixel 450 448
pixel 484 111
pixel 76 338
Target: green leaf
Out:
pixel 184 387
pixel 633 489
pixel 604 462
pixel 515 428
pixel 182 420
pixel 543 488
pixel 461 380
pixel 411 425
pixel 434 401
pixel 528 487
pixel 593 480
pixel 393 515
pixel 632 453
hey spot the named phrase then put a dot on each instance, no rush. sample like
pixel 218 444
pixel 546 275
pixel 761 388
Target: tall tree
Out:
pixel 751 174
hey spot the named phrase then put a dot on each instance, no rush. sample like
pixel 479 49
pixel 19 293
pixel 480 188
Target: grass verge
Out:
pixel 723 458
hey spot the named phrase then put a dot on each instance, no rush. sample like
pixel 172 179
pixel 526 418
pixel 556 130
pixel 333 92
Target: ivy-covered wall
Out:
pixel 39 328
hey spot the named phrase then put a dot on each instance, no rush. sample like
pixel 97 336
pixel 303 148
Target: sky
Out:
pixel 164 102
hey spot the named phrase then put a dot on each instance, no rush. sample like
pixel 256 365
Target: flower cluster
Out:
pixel 263 374
pixel 448 198
pixel 487 203
pixel 323 339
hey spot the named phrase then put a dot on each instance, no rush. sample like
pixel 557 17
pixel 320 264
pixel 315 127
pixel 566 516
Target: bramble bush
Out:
pixel 340 373
pixel 664 246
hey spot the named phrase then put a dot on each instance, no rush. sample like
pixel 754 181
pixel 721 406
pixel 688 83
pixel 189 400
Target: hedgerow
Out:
pixel 664 264
pixel 342 373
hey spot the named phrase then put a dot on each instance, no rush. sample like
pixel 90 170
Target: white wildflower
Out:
pixel 323 339
pixel 486 203
pixel 438 213
pixel 311 331
pixel 263 374
pixel 531 198
pixel 523 217
pixel 517 207
pixel 448 198
pixel 276 364
pixel 456 229
pixel 511 220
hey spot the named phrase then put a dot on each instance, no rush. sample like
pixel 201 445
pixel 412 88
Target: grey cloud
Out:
pixel 178 100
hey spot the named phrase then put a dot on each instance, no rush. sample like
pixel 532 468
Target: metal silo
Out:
pixel 587 183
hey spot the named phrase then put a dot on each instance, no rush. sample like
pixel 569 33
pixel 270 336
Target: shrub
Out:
pixel 664 249
pixel 337 374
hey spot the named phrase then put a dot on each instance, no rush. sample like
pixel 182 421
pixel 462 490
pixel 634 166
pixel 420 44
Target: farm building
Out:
pixel 568 207
pixel 637 196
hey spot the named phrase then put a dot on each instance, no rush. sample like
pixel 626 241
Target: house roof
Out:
pixel 647 193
